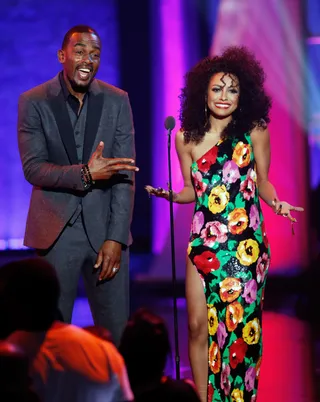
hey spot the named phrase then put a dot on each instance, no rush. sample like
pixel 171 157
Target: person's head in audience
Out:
pixel 100 332
pixel 145 347
pixel 29 293
pixel 14 378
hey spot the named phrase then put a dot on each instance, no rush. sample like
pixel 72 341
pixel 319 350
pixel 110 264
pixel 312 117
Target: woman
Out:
pixel 224 154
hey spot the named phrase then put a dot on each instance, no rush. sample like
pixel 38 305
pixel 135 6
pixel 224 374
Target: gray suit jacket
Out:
pixel 49 158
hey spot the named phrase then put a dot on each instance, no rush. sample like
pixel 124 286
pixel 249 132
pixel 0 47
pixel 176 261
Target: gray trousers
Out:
pixel 72 256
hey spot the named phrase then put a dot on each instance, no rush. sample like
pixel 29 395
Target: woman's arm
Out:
pixel 260 138
pixel 261 148
pixel 187 194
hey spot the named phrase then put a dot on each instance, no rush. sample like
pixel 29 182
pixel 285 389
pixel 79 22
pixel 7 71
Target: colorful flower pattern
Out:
pixel 229 247
pixel 212 319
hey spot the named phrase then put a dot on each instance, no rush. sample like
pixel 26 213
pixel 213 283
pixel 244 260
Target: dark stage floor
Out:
pixel 291 365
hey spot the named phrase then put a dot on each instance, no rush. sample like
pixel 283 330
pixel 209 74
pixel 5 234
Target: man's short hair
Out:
pixel 77 29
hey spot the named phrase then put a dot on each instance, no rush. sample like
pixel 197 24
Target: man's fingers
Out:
pixel 119 161
pixel 99 260
pixel 99 149
pixel 105 268
pixel 115 268
pixel 117 168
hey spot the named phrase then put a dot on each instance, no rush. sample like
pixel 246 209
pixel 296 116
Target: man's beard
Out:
pixel 79 88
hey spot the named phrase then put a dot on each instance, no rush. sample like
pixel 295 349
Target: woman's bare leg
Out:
pixel 198 329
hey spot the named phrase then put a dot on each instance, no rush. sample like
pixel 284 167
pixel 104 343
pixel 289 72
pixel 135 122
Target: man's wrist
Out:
pixel 122 245
pixel 86 177
pixel 93 173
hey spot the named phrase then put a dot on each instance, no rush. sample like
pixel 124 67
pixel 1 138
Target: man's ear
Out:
pixel 61 56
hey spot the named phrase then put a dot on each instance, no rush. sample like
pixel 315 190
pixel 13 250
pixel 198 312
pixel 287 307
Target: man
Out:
pixel 66 363
pixel 76 142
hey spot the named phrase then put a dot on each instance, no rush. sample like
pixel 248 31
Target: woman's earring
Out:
pixel 206 112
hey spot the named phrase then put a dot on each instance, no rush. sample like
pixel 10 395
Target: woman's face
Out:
pixel 223 95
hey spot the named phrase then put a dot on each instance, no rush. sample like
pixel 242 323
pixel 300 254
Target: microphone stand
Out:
pixel 173 263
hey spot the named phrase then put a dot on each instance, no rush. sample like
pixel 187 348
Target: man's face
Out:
pixel 81 60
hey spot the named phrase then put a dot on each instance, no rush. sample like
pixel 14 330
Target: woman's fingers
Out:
pixel 158 192
pixel 298 209
pixel 289 216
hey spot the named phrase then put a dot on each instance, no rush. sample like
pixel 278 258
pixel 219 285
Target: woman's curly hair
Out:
pixel 254 103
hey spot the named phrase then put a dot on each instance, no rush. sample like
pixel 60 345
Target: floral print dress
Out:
pixel 229 248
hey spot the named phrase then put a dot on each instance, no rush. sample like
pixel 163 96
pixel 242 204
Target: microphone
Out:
pixel 170 123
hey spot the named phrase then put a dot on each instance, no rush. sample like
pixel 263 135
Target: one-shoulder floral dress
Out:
pixel 230 250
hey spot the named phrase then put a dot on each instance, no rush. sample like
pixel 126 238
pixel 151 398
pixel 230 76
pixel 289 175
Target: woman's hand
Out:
pixel 284 209
pixel 158 192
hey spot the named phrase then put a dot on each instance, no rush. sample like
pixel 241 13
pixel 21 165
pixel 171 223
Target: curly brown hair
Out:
pixel 254 104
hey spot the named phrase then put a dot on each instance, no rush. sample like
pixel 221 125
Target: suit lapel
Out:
pixel 59 109
pixel 95 104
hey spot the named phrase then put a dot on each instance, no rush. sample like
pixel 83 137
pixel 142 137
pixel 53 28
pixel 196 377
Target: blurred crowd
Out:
pixel 43 359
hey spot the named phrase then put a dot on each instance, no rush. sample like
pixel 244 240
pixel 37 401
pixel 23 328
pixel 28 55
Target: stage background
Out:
pixel 147 48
